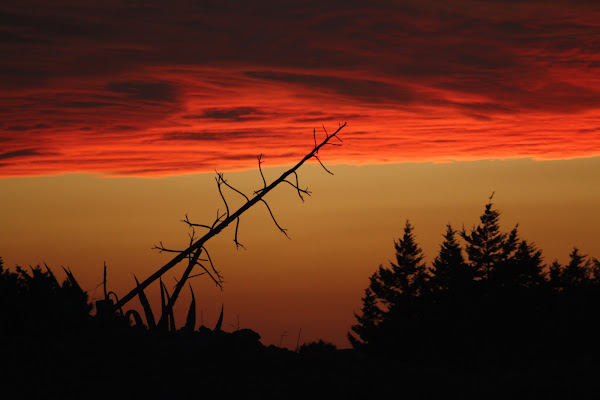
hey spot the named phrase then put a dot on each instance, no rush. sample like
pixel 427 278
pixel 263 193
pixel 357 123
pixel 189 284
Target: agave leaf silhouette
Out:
pixel 136 317
pixel 146 305
pixel 72 279
pixel 167 316
pixel 52 275
pixel 119 309
pixel 190 322
pixel 220 321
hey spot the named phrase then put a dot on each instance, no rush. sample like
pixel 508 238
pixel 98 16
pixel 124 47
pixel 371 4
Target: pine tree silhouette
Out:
pixel 486 246
pixel 450 273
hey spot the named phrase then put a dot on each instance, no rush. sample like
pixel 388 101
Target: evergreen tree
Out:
pixel 555 276
pixel 368 320
pixel 595 270
pixel 523 269
pixel 576 273
pixel 450 272
pixel 391 288
pixel 406 277
pixel 531 266
pixel 487 247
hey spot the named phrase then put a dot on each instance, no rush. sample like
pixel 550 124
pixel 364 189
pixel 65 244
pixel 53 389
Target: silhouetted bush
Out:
pixel 35 303
pixel 319 347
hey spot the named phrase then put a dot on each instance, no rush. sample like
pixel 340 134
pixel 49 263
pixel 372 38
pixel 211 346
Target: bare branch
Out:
pixel 284 231
pixel 260 170
pixel 235 238
pixel 219 179
pixel 162 248
pixel 217 220
pixel 221 224
pixel 328 171
pixel 297 187
pixel 217 280
pixel 192 235
pixel 213 266
pixel 232 188
pixel 190 224
pixel 315 138
pixel 326 134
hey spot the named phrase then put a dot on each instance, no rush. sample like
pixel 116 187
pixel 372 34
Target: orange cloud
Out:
pixel 155 91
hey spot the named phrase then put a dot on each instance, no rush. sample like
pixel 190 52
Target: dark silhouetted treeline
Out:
pixel 487 297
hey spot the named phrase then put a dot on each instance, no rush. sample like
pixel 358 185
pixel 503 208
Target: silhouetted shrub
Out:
pixel 35 303
pixel 319 347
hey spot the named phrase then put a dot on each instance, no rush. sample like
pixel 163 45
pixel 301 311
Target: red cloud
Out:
pixel 189 89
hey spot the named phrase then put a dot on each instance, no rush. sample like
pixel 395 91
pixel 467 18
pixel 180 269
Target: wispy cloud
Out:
pixel 113 88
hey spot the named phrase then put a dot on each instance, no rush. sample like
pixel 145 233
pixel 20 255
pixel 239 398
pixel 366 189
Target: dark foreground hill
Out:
pixel 205 364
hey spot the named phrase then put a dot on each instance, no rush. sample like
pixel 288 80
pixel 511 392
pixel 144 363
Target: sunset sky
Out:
pixel 114 116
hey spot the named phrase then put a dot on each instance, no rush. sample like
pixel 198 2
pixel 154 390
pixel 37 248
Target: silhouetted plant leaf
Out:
pixel 167 318
pixel 146 305
pixel 190 322
pixel 72 279
pixel 136 317
pixel 51 274
pixel 116 301
pixel 220 321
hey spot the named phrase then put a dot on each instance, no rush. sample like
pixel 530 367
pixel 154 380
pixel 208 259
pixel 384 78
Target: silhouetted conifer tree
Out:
pixel 392 288
pixel 368 320
pixel 406 277
pixel 497 303
pixel 576 273
pixel 555 276
pixel 486 246
pixel 450 272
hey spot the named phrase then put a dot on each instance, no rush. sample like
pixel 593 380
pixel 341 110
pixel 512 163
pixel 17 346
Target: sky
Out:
pixel 114 117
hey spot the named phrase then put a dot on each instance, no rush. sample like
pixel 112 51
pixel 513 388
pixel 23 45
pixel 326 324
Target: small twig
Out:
pixel 190 224
pixel 328 171
pixel 217 220
pixel 219 179
pixel 284 231
pixel 232 188
pixel 162 248
pixel 297 187
pixel 260 170
pixel 213 267
pixel 235 238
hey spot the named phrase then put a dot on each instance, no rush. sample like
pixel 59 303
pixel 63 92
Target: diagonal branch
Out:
pixel 219 225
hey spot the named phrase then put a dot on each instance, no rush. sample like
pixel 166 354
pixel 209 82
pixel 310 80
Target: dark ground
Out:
pixel 233 366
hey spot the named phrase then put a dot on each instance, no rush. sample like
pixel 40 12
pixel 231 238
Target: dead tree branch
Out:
pixel 220 223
